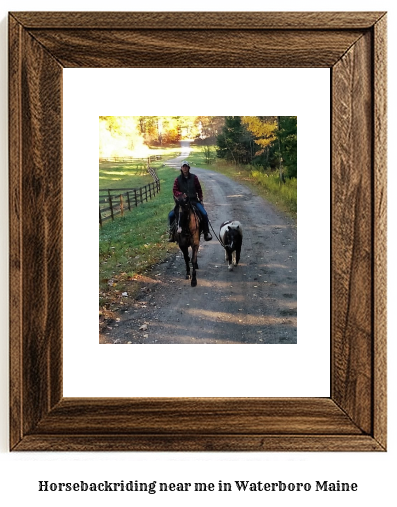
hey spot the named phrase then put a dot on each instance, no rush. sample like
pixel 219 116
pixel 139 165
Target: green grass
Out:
pixel 123 174
pixel 131 244
pixel 134 174
pixel 285 193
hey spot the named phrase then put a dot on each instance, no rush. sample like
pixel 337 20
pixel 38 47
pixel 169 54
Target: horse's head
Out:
pixel 182 201
pixel 182 210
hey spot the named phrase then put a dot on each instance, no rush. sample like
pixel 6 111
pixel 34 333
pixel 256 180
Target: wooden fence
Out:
pixel 115 201
pixel 145 161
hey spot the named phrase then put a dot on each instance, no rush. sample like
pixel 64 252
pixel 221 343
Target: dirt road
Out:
pixel 254 303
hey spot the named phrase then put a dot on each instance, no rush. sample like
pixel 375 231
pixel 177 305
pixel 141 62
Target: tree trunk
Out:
pixel 279 149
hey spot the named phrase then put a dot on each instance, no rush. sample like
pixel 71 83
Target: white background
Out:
pixel 20 473
pixel 252 370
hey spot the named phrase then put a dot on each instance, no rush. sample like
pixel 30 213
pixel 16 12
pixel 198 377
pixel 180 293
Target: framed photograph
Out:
pixel 353 46
pixel 254 305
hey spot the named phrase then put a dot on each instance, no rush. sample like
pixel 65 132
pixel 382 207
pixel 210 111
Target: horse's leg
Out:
pixel 195 248
pixel 194 256
pixel 193 283
pixel 185 252
pixel 195 238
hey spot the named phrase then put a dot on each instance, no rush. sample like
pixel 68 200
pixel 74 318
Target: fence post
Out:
pixel 111 206
pixel 121 205
pixel 128 199
pixel 136 198
pixel 140 195
pixel 100 217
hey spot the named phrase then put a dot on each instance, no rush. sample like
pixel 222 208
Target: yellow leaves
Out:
pixel 263 129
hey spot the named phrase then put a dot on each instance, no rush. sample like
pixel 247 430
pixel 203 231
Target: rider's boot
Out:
pixel 171 230
pixel 207 235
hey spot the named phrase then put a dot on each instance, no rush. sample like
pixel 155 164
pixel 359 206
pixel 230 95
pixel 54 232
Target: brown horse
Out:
pixel 188 235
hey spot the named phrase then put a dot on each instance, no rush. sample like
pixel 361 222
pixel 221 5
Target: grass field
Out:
pixel 118 174
pixel 131 244
pixel 132 174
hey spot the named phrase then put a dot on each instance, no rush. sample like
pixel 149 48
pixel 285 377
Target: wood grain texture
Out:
pixel 15 227
pixel 380 229
pixel 36 229
pixel 199 443
pixel 196 48
pixel 352 232
pixel 353 45
pixel 42 230
pixel 200 20
pixel 173 416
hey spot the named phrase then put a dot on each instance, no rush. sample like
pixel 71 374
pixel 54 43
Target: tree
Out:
pixel 118 136
pixel 188 126
pixel 209 127
pixel 149 128
pixel 235 142
pixel 287 137
pixel 276 137
pixel 263 128
pixel 208 153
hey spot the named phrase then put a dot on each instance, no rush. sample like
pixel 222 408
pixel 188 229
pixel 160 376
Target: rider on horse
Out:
pixel 188 185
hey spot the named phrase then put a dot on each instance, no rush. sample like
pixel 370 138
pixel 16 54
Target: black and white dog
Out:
pixel 231 235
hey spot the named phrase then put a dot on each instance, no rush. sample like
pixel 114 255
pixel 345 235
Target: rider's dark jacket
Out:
pixel 189 186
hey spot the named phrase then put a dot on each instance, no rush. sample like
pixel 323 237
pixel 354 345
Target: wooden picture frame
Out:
pixel 353 46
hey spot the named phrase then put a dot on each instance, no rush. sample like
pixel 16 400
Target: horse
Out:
pixel 231 236
pixel 188 235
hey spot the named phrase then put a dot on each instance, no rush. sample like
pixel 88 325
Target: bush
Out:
pixel 287 192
